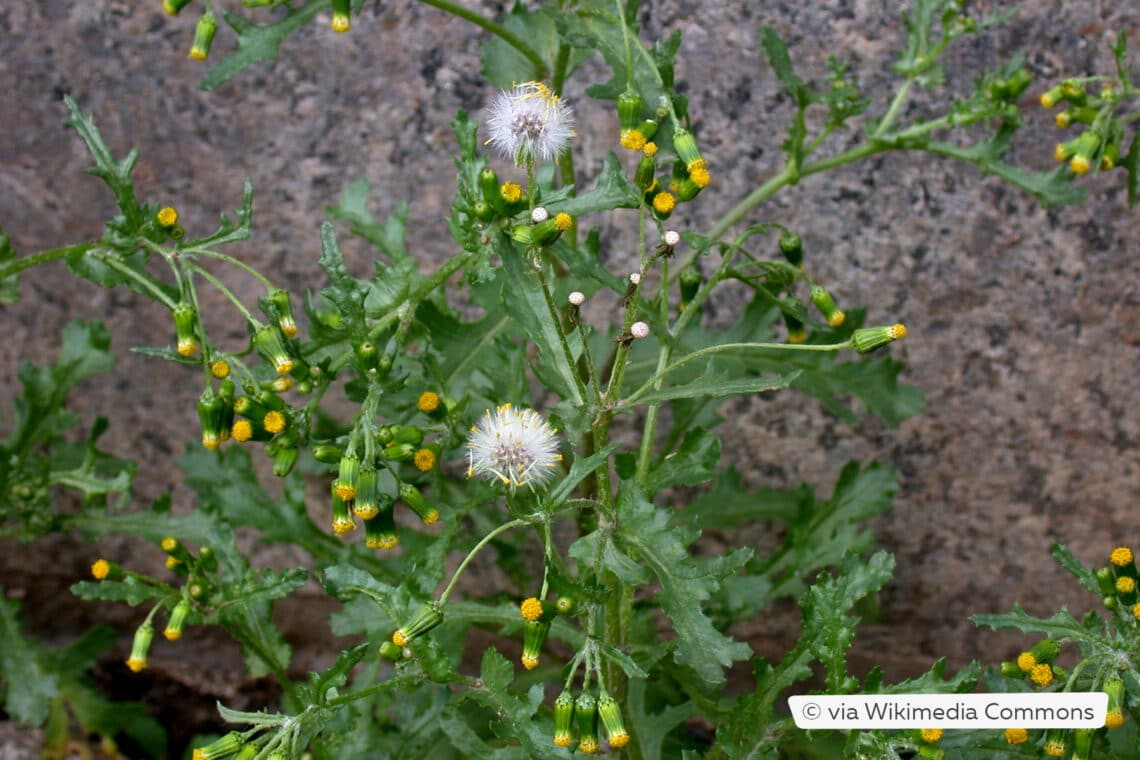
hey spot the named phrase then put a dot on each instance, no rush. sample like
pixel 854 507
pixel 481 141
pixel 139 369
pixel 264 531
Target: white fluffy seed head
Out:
pixel 539 214
pixel 639 330
pixel 577 298
pixel 672 237
pixel 530 123
pixel 635 278
pixel 517 447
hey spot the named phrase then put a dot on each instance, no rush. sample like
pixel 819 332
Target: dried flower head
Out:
pixel 530 123
pixel 517 446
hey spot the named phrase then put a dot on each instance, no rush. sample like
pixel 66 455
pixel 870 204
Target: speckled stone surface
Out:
pixel 1023 321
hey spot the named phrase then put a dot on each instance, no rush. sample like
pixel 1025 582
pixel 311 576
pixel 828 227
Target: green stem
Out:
pixel 471 555
pixel 506 35
pixel 125 270
pixel 893 109
pixel 236 262
pixel 43 257
pixel 553 310
pixel 221 286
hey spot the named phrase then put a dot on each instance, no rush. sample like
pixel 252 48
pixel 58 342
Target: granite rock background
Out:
pixel 1023 321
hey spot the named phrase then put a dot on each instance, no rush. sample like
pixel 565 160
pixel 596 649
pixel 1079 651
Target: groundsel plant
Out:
pixel 567 433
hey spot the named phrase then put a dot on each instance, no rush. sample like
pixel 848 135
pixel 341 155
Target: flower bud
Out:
pixel 391 652
pixel 563 719
pixel 411 496
pixel 792 248
pixel 586 717
pixel 203 36
pixel 1045 651
pixel 489 187
pixel 342 522
pixel 140 647
pixel 1051 97
pixel 796 331
pixel 399 452
pixel 826 305
pixel 663 204
pixel 1082 744
pixel 407 434
pixel 220 748
pixel 340 22
pixel 380 531
pixel 867 339
pixel 686 147
pixel 648 128
pixel 1087 144
pixel 178 615
pixel 629 109
pixel 690 284
pixel 1054 742
pixel 565 605
pixel 345 483
pixel 185 328
pixel 426 618
pixel 210 413
pixel 1011 669
pixel 172 7
pixel 1016 736
pixel 534 636
pixel 365 506
pixel 327 453
pixel 610 713
pixel 102 569
pixel 1114 716
pixel 268 342
pixel 689 187
pixel 283 312
pixel 284 459
pixel 643 175
pixel 1123 562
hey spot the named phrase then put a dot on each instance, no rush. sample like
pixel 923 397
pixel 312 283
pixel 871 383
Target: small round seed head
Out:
pixel 672 237
pixel 539 215
pixel 577 298
pixel 635 278
pixel 639 330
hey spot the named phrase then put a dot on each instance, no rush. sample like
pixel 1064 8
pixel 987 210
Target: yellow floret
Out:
pixel 1114 719
pixel 274 422
pixel 100 569
pixel 510 192
pixel 1042 675
pixel 633 139
pixel 428 401
pixel 1120 556
pixel 242 430
pixel 931 735
pixel 1016 736
pixel 1026 661
pixel 531 608
pixel 424 459
pixel 220 369
pixel 663 203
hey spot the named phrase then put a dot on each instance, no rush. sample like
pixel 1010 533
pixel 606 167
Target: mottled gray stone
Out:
pixel 1023 321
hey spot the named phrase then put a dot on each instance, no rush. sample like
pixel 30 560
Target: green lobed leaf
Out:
pixel 257 43
pixel 115 173
pixel 131 590
pixel 580 469
pixel 827 633
pixel 777 54
pixel 714 384
pixel 693 463
pixel 523 300
pixel 611 190
pixel 10 285
pixel 514 714
pixel 1083 575
pixel 686 582
pixel 729 504
pixel 1051 188
pixel 345 292
pixel 388 236
pixel 27 690
pixel 230 231
pixel 651 729
pixel 1061 626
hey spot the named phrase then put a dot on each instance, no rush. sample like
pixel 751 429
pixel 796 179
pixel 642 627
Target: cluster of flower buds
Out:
pixel 236 746
pixel 544 229
pixel 538 616
pixel 1099 142
pixel 1036 664
pixel 500 201
pixel 582 714
pixel 1117 583
pixel 369 488
pixel 197 570
pixel 690 171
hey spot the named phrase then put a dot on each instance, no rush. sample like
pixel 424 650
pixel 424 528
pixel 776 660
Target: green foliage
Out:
pixel 47 687
pixel 405 402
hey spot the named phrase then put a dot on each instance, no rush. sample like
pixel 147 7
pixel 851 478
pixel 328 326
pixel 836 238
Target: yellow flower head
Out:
pixel 1125 585
pixel 663 202
pixel 1042 675
pixel 220 369
pixel 424 460
pixel 531 608
pixel 1016 736
pixel 1026 661
pixel 274 422
pixel 1121 556
pixel 931 735
pixel 100 569
pixel 428 401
